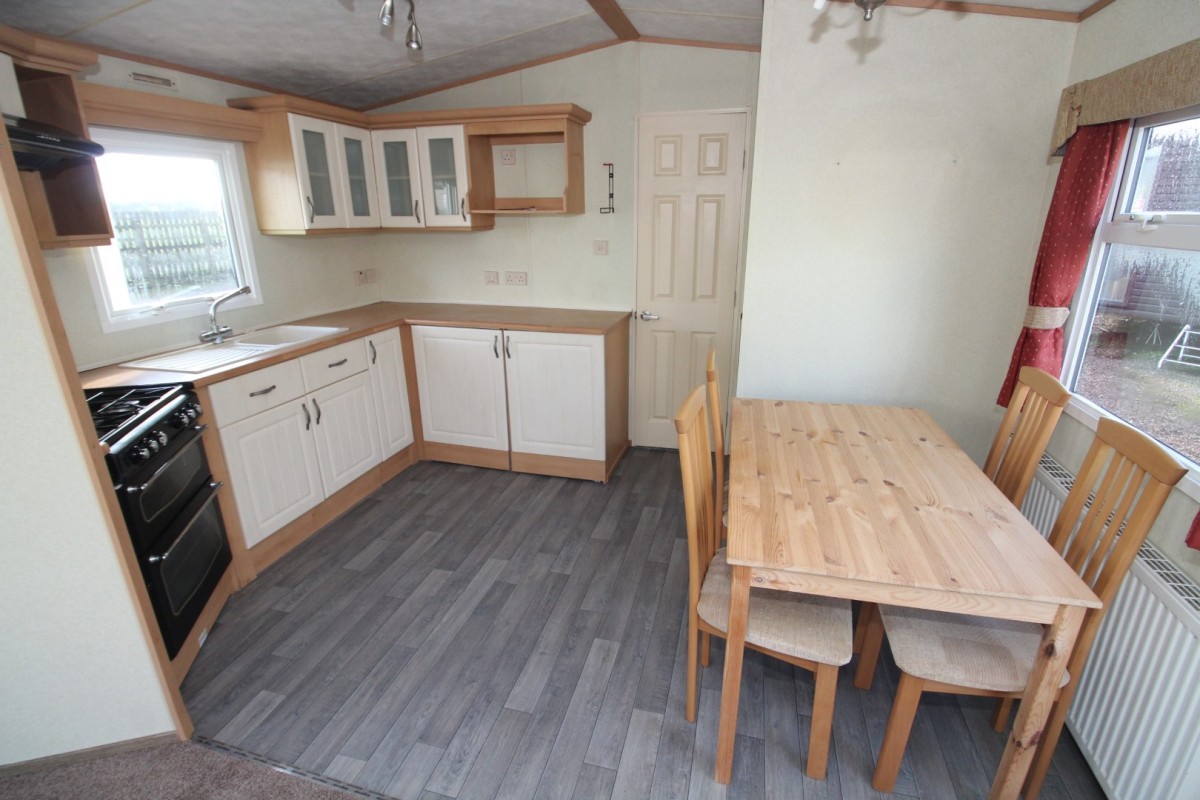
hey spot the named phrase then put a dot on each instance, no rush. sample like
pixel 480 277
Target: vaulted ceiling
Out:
pixel 337 50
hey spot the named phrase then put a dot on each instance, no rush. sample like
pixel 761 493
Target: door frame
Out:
pixel 729 381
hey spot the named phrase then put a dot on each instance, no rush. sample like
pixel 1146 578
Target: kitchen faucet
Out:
pixel 217 333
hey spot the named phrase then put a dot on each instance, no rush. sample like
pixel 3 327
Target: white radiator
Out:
pixel 1136 714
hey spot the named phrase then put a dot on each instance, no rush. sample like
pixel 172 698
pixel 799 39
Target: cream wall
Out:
pixel 1125 32
pixel 298 276
pixel 614 84
pixel 898 182
pixel 75 670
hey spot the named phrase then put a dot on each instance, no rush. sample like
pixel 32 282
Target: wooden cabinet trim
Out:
pixel 126 108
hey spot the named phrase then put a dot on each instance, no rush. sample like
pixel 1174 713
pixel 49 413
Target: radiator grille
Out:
pixel 1136 715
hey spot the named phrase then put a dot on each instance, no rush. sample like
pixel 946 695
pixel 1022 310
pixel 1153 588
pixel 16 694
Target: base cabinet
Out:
pixel 389 387
pixel 295 433
pixel 553 403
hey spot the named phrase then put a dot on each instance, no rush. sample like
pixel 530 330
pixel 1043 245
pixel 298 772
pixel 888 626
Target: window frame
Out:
pixel 229 158
pixel 1174 231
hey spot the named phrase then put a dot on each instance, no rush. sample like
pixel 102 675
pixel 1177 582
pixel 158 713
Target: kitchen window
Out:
pixel 179 230
pixel 1134 349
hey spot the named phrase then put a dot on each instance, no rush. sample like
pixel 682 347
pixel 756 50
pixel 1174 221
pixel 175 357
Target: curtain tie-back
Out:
pixel 1045 318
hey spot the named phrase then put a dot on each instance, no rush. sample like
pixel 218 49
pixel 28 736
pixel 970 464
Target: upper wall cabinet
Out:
pixel 422 177
pixel 335 172
pixel 422 170
pixel 66 202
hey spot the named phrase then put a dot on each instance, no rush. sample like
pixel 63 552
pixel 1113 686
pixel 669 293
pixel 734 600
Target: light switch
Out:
pixel 491 278
pixel 600 247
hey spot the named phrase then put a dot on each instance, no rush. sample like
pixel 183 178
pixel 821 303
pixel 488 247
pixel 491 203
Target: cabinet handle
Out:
pixel 417 208
pixel 307 416
pixel 312 212
pixel 338 363
pixel 496 345
pixel 371 345
pixel 507 342
pixel 318 408
pixel 261 392
pixel 462 208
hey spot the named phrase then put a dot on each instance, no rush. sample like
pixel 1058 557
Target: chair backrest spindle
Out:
pixel 695 462
pixel 1036 404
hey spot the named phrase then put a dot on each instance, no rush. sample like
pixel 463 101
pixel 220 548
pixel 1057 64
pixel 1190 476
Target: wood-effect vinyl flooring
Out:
pixel 473 633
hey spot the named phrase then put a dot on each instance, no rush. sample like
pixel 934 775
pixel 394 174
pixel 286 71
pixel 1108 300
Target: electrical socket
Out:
pixel 600 247
pixel 516 278
pixel 508 156
pixel 491 277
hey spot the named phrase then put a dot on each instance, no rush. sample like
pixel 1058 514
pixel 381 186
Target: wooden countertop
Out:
pixel 369 319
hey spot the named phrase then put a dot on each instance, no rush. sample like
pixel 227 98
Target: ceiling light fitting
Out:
pixel 386 12
pixel 413 37
pixel 868 7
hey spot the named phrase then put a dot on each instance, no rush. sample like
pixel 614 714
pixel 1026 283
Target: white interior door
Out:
pixel 690 186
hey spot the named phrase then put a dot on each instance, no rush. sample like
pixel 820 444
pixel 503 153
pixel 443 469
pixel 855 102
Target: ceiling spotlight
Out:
pixel 868 7
pixel 386 12
pixel 413 37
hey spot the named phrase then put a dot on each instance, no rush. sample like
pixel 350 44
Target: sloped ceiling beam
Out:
pixel 615 19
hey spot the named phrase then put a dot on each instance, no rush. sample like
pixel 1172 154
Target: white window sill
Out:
pixel 1088 413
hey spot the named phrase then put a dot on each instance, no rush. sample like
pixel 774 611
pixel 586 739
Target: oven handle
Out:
pixel 214 485
pixel 198 430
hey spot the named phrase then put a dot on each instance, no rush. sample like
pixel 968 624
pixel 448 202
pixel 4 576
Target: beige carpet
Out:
pixel 180 771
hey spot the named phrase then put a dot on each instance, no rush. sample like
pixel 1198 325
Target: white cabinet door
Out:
pixel 460 383
pixel 346 433
pixel 389 387
pixel 398 178
pixel 358 177
pixel 319 170
pixel 443 158
pixel 272 463
pixel 556 393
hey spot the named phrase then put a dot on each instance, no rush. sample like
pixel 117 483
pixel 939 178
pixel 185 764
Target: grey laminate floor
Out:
pixel 473 633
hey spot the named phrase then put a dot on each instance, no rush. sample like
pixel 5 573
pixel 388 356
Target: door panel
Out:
pixel 319 170
pixel 347 435
pixel 460 382
pixel 690 189
pixel 556 393
pixel 390 389
pixel 399 179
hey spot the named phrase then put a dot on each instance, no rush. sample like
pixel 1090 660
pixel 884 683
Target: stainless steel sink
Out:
pixel 205 357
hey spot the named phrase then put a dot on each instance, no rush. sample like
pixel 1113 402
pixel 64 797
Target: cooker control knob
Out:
pixel 194 410
pixel 139 454
pixel 162 438
pixel 181 419
pixel 150 444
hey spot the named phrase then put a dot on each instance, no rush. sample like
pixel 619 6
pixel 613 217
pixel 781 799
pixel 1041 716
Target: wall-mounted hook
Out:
pixel 608 209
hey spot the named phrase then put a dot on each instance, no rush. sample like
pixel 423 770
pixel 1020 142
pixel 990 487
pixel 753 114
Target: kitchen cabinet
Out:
pixel 286 452
pixel 533 401
pixel 460 385
pixel 335 171
pixel 442 153
pixel 398 178
pixel 389 388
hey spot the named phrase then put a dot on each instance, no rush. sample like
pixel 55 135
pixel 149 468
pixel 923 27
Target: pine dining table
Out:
pixel 879 504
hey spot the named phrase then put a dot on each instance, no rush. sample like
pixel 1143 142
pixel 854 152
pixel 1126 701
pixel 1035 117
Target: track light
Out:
pixel 386 12
pixel 868 7
pixel 413 37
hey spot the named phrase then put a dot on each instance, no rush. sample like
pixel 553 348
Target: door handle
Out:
pixel 318 408
pixel 307 416
pixel 496 345
pixel 372 346
pixel 646 316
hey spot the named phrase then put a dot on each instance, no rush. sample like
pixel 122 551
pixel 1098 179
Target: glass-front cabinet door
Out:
pixel 398 179
pixel 358 185
pixel 318 167
pixel 443 159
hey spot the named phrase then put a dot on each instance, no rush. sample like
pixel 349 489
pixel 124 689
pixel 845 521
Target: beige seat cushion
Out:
pixel 815 628
pixel 977 652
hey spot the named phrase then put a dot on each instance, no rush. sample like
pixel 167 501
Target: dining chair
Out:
pixel 1037 403
pixel 1120 489
pixel 717 420
pixel 810 632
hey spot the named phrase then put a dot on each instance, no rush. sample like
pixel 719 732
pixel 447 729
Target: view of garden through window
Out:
pixel 171 235
pixel 1142 358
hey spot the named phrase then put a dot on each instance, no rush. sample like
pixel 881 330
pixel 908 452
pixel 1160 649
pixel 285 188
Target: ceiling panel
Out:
pixel 432 73
pixel 727 8
pixel 57 17
pixel 698 27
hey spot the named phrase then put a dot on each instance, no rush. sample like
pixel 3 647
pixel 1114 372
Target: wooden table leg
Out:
pixel 731 685
pixel 1044 681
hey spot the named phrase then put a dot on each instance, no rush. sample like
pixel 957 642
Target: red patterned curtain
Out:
pixel 1089 167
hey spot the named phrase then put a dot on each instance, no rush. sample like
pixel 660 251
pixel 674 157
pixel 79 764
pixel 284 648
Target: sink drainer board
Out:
pixel 201 359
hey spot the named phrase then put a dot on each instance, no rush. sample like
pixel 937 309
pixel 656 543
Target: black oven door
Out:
pixel 153 497
pixel 184 567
